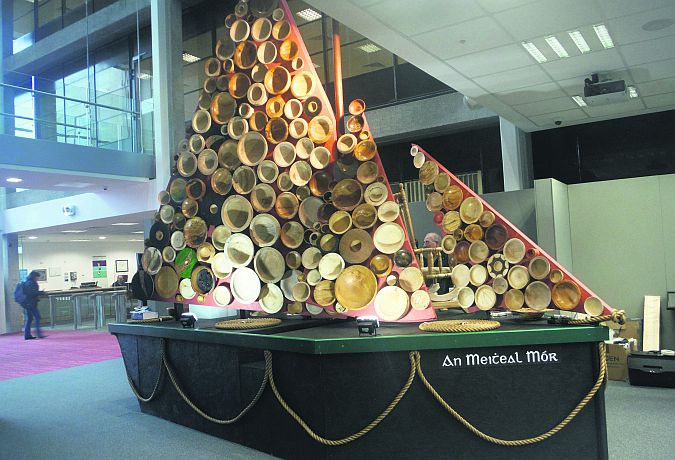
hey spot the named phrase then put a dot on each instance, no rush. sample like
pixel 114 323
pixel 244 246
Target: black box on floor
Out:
pixel 651 370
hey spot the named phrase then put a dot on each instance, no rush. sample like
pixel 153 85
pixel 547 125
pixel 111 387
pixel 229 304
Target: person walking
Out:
pixel 31 292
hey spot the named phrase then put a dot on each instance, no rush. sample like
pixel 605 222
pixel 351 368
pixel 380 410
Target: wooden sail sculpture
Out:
pixel 494 263
pixel 268 207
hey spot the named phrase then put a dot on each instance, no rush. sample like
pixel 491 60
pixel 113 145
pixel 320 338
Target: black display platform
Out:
pixel 338 393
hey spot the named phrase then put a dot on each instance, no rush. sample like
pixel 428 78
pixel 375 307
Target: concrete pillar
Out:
pixel 6 30
pixel 516 157
pixel 167 84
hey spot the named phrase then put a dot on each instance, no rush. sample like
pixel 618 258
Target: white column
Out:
pixel 516 157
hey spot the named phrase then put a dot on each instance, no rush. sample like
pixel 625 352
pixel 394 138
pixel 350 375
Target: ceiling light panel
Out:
pixel 579 101
pixel 125 223
pixel 190 58
pixel 632 92
pixel 557 47
pixel 369 48
pixel 579 41
pixel 309 14
pixel 73 231
pixel 534 52
pixel 603 35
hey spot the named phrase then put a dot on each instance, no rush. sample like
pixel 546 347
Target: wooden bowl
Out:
pixel 434 202
pixel 470 210
pixel 221 265
pixel 478 275
pixel 452 198
pixel 324 293
pixel 237 127
pixel 420 300
pixel 195 232
pixel 496 236
pixel 355 123
pixel 301 291
pixel 356 107
pixel 201 121
pixel 240 30
pixel 292 109
pixel 258 72
pixel 380 265
pixel 195 188
pixel 186 164
pixel 473 232
pixel 356 246
pixel 500 285
pixel 256 94
pixel 245 55
pixel 269 264
pixel 311 257
pixel 448 244
pixel 287 205
pixel 243 180
pixel 367 172
pixel 166 282
pixel 331 265
pixel 593 306
pixel 319 157
pixel 281 30
pixel 442 182
pixel 340 222
pixel 486 219
pixel 277 80
pixel 539 268
pixel 313 277
pixel 271 298
pixel 228 156
pixel 303 85
pixel 276 130
pixel 300 173
pixel 514 299
pixel 555 276
pixel 389 237
pixel 465 297
pixel 236 213
pixel 252 148
pixel 346 143
pixel 514 250
pixel 320 182
pixel 274 107
pixel 365 150
pixel 355 287
pixel 419 159
pixel 284 154
pixel 537 295
pixel 485 298
pixel 518 276
pixel 264 230
pixel 451 221
pixel 267 171
pixel 478 252
pixel 376 194
pixel 312 106
pixel 403 258
pixel 189 207
pixel 245 285
pixel 428 172
pixel 411 279
pixel 222 108
pixel 461 252
pixel 388 211
pixel 304 147
pixel 261 29
pixel 288 50
pixel 364 216
pixel 309 209
pixel 263 197
pixel 238 85
pixel 347 194
pixel 566 295
pixel 225 48
pixel 293 260
pixel 391 303
pixel 202 279
pixel 205 252
pixel 297 63
pixel 497 265
pixel 320 129
pixel 329 242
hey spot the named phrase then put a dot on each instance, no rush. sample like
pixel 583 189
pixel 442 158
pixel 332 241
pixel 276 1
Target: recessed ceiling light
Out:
pixel 557 47
pixel 135 241
pixel 580 41
pixel 125 223
pixel 579 100
pixel 190 58
pixel 79 241
pixel 32 237
pixel 309 14
pixel 73 231
pixel 102 237
pixel 144 76
pixel 369 48
pixel 632 92
pixel 603 35
pixel 14 180
pixel 138 233
pixel 534 52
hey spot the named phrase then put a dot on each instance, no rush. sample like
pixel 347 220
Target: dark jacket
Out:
pixel 32 291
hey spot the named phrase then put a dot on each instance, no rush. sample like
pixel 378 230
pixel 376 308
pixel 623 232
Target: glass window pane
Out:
pixel 23 26
pixel 414 82
pixel 48 11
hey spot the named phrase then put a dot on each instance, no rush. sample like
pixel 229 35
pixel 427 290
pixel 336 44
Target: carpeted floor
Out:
pixel 61 349
pixel 88 411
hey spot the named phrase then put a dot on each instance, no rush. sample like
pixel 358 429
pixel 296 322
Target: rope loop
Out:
pixel 157 382
pixel 465 325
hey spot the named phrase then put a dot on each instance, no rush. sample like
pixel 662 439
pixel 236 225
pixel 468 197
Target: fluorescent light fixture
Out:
pixel 632 92
pixel 144 76
pixel 579 100
pixel 369 48
pixel 557 47
pixel 138 233
pixel 135 241
pixel 187 57
pixel 102 237
pixel 79 241
pixel 580 41
pixel 14 180
pixel 534 52
pixel 73 231
pixel 309 14
pixel 603 35
pixel 125 223
pixel 32 237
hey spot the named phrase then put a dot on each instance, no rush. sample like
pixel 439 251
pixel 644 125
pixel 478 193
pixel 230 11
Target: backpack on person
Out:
pixel 19 294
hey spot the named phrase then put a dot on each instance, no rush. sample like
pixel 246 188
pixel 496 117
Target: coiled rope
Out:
pixel 454 325
pixel 618 316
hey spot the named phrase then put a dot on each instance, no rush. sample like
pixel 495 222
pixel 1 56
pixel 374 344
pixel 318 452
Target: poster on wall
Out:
pixel 73 276
pixel 121 266
pixel 54 272
pixel 99 266
pixel 42 274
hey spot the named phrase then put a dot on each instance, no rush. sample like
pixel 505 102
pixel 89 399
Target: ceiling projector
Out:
pixel 604 92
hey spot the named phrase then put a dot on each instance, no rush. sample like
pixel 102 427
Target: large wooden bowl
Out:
pixel 240 30
pixel 593 306
pixel 364 216
pixel 284 154
pixel 236 213
pixel 376 194
pixel 269 265
pixel 514 250
pixel 311 257
pixel 347 194
pixel 478 275
pixel 356 287
pixel 239 250
pixel 292 233
pixel 271 298
pixel 388 211
pixel 428 172
pixel 245 55
pixel 340 222
pixel 356 246
pixel 309 211
pixel 392 303
pixel 288 50
pixel 281 30
pixel 245 285
pixel 195 232
pixel 537 295
pixel 473 232
pixel 319 157
pixel 442 182
pixel 264 230
pixel 320 129
pixel 381 265
pixel 452 198
pixel 267 171
pixel 518 276
pixel 252 148
pixel 451 221
pixel 244 179
pixel 496 236
pixel 287 205
pixel 238 85
pixel 227 154
pixel 201 121
pixel 411 279
pixel 539 267
pixel 166 282
pixel 514 299
pixel 304 147
pixel 331 265
pixel 566 295
pixel 485 298
pixel 389 237
pixel 478 251
pixel 222 108
pixel 470 210
pixel 261 29
pixel 221 181
pixel 324 293
pixel 465 297
pixel 500 285
pixel 276 130
pixel 461 252
pixel 300 173
pixel 302 85
pixel 365 150
pixel 460 275
pixel 263 197
pixel 277 80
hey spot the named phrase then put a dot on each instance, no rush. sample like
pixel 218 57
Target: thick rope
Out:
pixel 618 316
pixel 518 442
pixel 248 323
pixel 452 325
pixel 159 378
pixel 204 414
pixel 355 436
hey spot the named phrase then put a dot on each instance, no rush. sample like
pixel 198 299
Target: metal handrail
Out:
pixel 37 120
pixel 66 98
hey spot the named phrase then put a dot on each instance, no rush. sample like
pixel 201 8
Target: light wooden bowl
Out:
pixel 311 257
pixel 263 197
pixel 243 180
pixel 324 293
pixel 264 230
pixel 420 300
pixel 389 238
pixel 566 295
pixel 537 295
pixel 331 265
pixel 593 306
pixel 365 150
pixel 340 222
pixel 465 297
pixel 300 173
pixel 452 198
pixel 514 299
pixel 478 275
pixel 303 85
pixel 346 143
pixel 428 172
pixel 518 276
pixel 485 298
pixel 470 210
pixel 356 287
pixel 391 303
pixel 411 279
pixel 388 211
pixel 261 29
pixel 319 157
pixel 514 250
pixel 500 285
pixel 555 275
pixel 236 213
pixel 287 205
pixel 478 252
pixel 364 216
pixel 291 234
pixel 269 265
pixel 271 298
pixel 460 275
pixel 277 80
pixel 539 268
pixel 356 246
pixel 442 182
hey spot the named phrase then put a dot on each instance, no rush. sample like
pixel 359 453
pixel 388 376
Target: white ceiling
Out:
pixel 92 231
pixel 43 179
pixel 475 47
